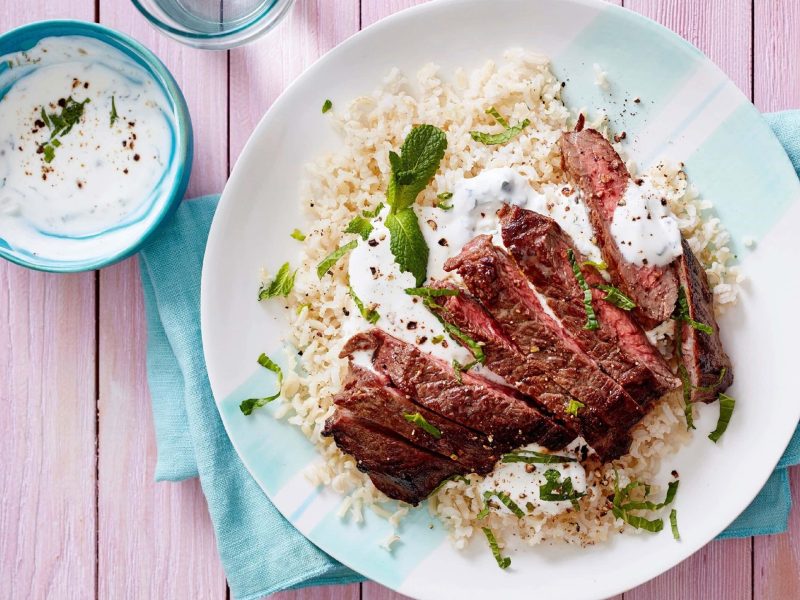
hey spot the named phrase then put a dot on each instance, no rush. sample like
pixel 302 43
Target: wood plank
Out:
pixel 776 50
pixel 259 72
pixel 776 558
pixel 721 29
pixel 155 540
pixel 47 431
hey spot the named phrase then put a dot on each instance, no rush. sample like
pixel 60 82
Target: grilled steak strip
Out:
pixel 398 468
pixel 476 403
pixel 595 167
pixel 702 354
pixel 525 373
pixel 367 396
pixel 620 347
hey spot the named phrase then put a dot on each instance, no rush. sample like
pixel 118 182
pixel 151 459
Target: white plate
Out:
pixel 690 112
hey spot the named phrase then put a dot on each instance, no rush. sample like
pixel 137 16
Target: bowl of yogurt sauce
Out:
pixel 95 145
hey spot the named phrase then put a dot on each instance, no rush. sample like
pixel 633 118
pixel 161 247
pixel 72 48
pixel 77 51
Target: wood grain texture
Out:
pixel 155 540
pixel 776 73
pixel 47 428
pixel 261 71
pixel 720 28
pixel 258 74
pixel 776 58
pixel 776 558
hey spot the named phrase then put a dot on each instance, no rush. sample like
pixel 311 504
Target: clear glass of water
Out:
pixel 214 24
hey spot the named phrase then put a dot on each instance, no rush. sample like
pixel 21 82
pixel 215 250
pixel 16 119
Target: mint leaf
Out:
pixel 415 166
pixel 359 226
pixel 249 405
pixel 370 315
pixel 326 264
pixel 509 133
pixel 326 106
pixel 280 286
pixel 407 243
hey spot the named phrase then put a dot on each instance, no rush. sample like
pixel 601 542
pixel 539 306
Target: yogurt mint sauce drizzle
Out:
pixel 85 139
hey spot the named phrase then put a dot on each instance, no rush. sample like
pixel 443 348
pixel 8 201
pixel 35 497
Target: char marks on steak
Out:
pixel 702 353
pixel 526 374
pixel 619 346
pixel 596 168
pixel 494 279
pixel 475 403
pixel 368 396
pixel 398 468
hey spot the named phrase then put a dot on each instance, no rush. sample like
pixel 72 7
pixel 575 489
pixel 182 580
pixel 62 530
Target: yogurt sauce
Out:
pixel 643 227
pixel 378 281
pixel 521 482
pixel 99 174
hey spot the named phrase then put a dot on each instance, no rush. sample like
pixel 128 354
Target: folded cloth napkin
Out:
pixel 261 552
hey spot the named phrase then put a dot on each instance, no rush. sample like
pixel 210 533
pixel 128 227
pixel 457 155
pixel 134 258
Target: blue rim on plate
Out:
pixel 180 163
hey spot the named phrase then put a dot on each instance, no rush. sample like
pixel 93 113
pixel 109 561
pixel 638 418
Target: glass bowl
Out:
pixel 214 24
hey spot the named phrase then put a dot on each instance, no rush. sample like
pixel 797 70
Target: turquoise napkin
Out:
pixel 261 552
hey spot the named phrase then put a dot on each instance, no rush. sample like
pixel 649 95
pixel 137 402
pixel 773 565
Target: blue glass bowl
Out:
pixel 172 186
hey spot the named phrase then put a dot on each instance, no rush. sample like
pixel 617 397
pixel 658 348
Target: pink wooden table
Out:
pixel 80 515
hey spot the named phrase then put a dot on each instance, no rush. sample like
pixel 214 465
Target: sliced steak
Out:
pixel 526 374
pixel 491 275
pixel 475 403
pixel 366 395
pixel 619 346
pixel 594 166
pixel 397 467
pixel 702 353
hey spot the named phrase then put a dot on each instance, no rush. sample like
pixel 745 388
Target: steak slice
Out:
pixel 702 353
pixel 475 403
pixel 595 167
pixel 491 275
pixel 619 346
pixel 526 374
pixel 367 396
pixel 398 468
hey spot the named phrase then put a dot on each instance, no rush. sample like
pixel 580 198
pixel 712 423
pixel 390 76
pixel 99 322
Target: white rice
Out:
pixel 341 184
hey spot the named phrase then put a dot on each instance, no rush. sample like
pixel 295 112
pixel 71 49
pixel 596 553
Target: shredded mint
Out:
pixel 726 406
pixel 505 499
pixel 459 368
pixel 327 263
pixel 280 286
pixel 302 307
pixel 502 561
pixel 622 504
pixel 298 235
pixel 417 419
pixel 616 297
pixel 557 490
pixel 532 457
pixel 458 334
pixel 114 115
pixel 509 132
pixel 249 405
pixel 60 124
pixel 371 214
pixel 370 315
pixel 444 195
pixel 591 318
pixel 673 522
pixel 574 406
pixel 427 292
pixel 437 339
pixel 360 226
pixel 326 106
pixel 460 478
pixel 681 313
